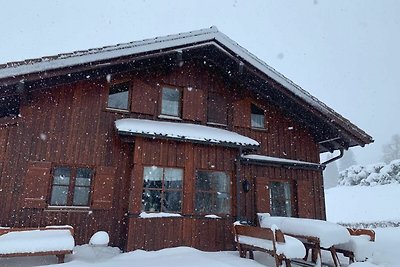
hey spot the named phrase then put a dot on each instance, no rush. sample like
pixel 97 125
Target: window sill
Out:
pixel 116 110
pixel 259 129
pixel 217 124
pixel 67 209
pixel 169 117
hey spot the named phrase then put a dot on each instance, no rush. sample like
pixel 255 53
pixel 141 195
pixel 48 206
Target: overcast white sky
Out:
pixel 345 52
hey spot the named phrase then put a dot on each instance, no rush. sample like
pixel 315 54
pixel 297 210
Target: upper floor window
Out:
pixel 212 192
pixel 257 117
pixel 9 105
pixel 118 96
pixel 217 109
pixel 171 102
pixel 162 189
pixel 71 186
pixel 280 199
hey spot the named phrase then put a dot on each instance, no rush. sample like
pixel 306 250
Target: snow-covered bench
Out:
pixel 51 240
pixel 360 246
pixel 273 242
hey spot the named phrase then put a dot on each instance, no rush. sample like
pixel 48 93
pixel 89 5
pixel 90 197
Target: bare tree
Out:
pixel 391 151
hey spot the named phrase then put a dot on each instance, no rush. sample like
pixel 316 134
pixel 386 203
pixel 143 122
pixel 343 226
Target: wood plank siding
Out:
pixel 71 125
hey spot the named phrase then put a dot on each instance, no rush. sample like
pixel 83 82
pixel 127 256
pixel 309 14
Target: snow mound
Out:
pixel 371 175
pixel 100 238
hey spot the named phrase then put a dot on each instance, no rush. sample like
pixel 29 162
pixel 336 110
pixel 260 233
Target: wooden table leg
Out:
pixel 335 256
pixel 60 258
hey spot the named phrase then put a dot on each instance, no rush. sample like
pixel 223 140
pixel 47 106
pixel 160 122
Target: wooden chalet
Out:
pixel 161 142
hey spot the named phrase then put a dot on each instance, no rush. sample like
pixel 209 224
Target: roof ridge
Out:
pixel 115 47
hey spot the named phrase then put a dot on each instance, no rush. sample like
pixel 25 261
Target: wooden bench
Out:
pixel 348 249
pixel 250 238
pixel 18 242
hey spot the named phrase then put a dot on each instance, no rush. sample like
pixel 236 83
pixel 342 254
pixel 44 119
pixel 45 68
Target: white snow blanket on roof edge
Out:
pixel 275 159
pixel 328 233
pixel 185 131
pixel 36 241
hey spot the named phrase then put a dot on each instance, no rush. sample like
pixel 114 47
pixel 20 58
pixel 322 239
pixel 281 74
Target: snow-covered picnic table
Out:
pixel 315 234
pixel 51 240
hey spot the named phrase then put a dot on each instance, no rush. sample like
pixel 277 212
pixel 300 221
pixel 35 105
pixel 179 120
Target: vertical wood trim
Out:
pixel 189 180
pixel 135 197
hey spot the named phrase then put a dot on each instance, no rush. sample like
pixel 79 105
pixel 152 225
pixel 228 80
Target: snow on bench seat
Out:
pixel 292 248
pixel 36 241
pixel 361 246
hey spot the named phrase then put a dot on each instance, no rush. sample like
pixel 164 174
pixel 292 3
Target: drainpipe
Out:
pixel 334 158
pixel 238 184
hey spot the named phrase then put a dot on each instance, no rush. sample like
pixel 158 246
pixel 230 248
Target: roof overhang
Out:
pixel 280 162
pixel 184 132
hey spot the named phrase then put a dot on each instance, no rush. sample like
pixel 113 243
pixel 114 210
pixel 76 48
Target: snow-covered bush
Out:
pixel 371 175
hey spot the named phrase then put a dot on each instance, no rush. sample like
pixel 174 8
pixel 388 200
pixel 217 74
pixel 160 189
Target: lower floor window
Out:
pixel 162 189
pixel 280 199
pixel 71 186
pixel 212 192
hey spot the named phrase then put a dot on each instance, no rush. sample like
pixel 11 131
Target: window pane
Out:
pixel 212 192
pixel 83 177
pixel 59 195
pixel 203 202
pixel 81 196
pixel 151 200
pixel 173 178
pixel 170 102
pixel 172 201
pixel 257 117
pixel 118 96
pixel 152 177
pixel 257 121
pixel 61 176
pixel 280 199
pixel 222 204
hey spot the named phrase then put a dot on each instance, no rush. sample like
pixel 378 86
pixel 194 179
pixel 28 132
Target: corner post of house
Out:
pixel 238 188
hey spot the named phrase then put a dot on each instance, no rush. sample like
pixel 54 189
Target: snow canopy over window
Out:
pixel 182 131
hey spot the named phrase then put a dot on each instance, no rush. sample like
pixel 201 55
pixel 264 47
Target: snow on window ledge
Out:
pixel 158 215
pixel 169 117
pixel 68 209
pixel 212 216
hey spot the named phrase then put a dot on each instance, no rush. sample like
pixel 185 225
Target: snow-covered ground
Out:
pixel 348 204
pixel 355 204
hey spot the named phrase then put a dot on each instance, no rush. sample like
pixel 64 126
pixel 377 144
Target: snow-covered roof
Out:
pixel 182 132
pixel 100 56
pixel 280 161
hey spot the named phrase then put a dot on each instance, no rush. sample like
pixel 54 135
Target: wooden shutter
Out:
pixel 144 98
pixel 103 191
pixel 305 196
pixel 36 185
pixel 217 109
pixel 262 195
pixel 193 105
pixel 241 113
